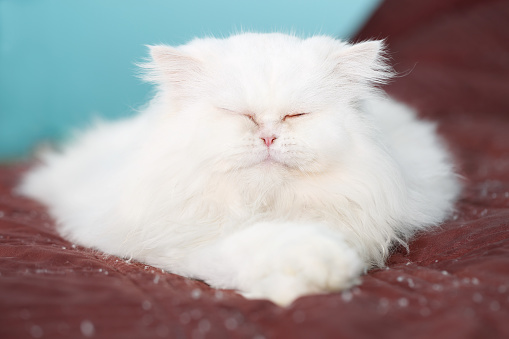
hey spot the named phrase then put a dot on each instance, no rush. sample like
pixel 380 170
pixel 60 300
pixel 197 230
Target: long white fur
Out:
pixel 186 184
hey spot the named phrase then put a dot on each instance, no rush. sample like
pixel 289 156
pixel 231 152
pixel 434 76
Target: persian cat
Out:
pixel 265 163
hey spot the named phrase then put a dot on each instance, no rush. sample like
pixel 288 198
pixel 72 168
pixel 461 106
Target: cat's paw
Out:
pixel 302 263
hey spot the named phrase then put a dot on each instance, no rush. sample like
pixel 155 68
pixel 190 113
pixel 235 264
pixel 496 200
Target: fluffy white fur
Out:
pixel 190 185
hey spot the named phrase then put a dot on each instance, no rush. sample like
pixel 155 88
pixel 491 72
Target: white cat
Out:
pixel 266 163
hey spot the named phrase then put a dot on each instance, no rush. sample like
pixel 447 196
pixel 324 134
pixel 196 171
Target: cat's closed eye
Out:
pixel 251 117
pixel 246 115
pixel 295 115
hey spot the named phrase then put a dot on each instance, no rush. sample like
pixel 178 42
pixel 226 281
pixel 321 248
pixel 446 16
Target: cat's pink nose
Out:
pixel 268 140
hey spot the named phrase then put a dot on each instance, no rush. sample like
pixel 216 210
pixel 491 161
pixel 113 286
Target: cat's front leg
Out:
pixel 278 261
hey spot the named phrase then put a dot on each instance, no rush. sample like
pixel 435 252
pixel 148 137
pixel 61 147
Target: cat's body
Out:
pixel 266 163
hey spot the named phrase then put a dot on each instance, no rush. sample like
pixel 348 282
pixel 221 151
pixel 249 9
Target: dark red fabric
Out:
pixel 453 56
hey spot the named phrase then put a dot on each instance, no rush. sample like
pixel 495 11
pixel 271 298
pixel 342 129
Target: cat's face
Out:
pixel 269 101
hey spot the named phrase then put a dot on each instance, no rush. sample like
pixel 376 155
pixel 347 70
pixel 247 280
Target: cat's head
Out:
pixel 269 101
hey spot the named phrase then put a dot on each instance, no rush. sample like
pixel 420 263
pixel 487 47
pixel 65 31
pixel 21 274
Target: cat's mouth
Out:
pixel 271 158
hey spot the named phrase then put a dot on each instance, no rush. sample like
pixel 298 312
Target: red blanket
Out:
pixel 453 56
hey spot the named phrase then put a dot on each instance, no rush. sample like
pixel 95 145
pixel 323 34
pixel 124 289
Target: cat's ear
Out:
pixel 172 68
pixel 364 62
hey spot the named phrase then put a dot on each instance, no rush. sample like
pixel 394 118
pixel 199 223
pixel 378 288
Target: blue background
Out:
pixel 64 61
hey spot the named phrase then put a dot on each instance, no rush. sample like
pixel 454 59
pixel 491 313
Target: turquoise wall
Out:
pixel 64 61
